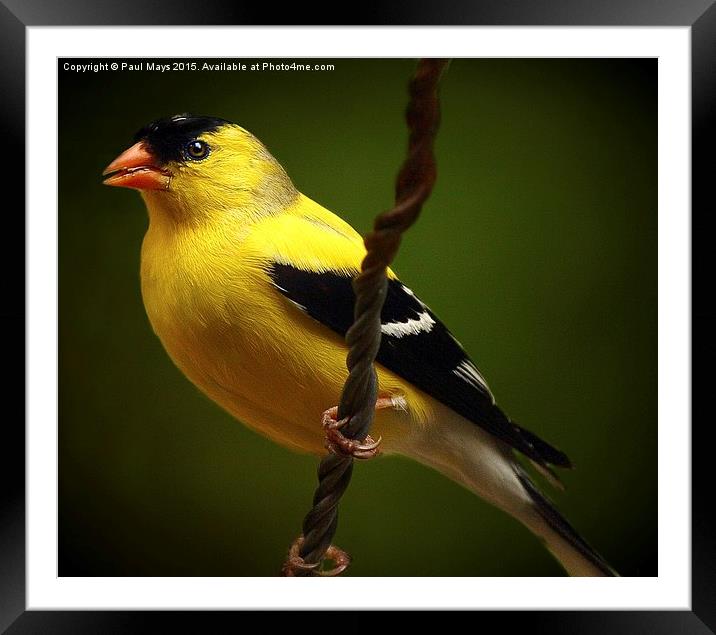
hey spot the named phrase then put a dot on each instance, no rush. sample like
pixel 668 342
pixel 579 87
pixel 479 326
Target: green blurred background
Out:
pixel 538 249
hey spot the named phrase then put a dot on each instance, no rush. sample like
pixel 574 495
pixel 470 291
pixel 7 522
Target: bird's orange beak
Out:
pixel 137 168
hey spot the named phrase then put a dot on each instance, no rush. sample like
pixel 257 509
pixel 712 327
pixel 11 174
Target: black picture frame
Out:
pixel 17 15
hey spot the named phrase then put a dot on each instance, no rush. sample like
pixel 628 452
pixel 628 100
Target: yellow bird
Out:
pixel 247 283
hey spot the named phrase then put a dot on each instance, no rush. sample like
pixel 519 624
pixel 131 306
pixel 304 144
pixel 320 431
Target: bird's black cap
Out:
pixel 168 137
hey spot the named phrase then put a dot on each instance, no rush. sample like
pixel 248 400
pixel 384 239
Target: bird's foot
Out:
pixel 337 443
pixel 295 562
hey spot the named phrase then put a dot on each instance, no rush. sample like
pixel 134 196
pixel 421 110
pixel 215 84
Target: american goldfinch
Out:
pixel 247 283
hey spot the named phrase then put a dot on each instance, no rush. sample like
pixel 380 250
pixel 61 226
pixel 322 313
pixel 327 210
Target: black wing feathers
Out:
pixel 416 346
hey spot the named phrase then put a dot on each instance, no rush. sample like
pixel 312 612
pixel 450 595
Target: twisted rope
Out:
pixel 413 186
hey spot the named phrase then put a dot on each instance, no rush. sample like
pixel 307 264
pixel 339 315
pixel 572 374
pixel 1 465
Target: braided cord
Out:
pixel 357 405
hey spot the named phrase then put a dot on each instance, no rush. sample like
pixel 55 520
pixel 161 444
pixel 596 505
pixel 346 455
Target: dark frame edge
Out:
pixel 703 136
pixel 419 13
pixel 701 621
pixel 12 321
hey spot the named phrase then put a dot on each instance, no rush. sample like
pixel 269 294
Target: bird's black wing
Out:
pixel 416 346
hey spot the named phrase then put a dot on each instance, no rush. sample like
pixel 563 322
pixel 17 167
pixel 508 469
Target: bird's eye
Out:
pixel 197 150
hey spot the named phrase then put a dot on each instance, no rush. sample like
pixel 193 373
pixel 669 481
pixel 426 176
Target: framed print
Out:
pixel 556 246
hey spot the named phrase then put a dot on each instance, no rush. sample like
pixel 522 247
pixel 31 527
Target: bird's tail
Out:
pixel 483 464
pixel 573 552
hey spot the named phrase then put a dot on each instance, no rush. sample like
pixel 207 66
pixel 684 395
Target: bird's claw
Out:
pixel 340 559
pixel 295 562
pixel 339 444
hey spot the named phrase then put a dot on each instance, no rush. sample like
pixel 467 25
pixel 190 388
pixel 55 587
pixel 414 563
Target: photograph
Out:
pixel 210 224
